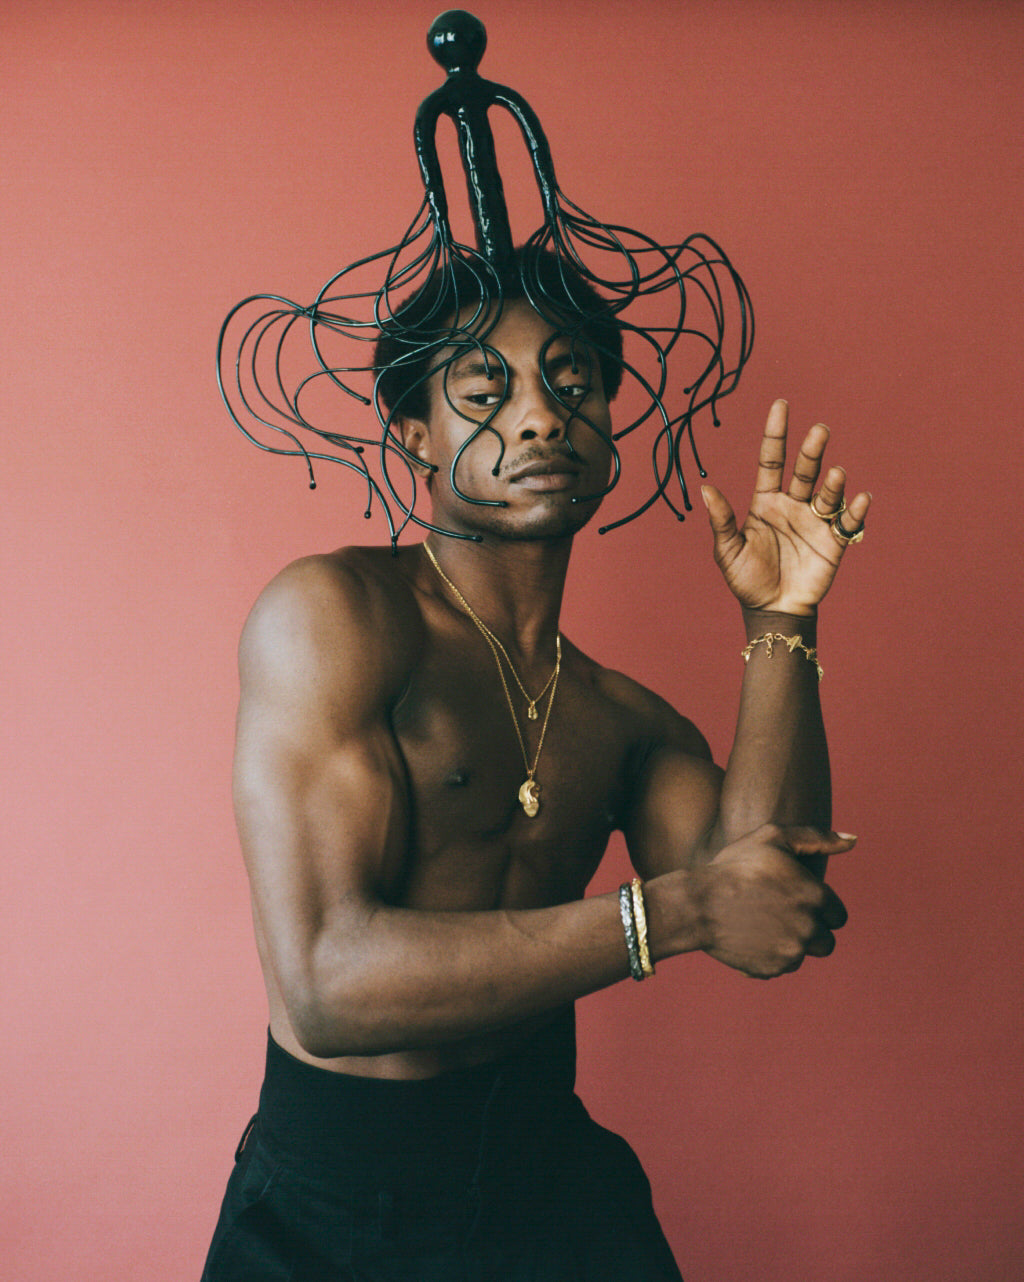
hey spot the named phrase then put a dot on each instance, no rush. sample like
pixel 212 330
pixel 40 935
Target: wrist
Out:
pixel 676 921
pixel 758 622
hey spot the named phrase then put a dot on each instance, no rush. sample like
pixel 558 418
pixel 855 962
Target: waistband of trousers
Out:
pixel 316 1114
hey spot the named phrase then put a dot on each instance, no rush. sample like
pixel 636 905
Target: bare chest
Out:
pixel 474 844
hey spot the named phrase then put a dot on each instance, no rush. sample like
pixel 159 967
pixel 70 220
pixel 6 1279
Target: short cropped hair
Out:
pixel 424 324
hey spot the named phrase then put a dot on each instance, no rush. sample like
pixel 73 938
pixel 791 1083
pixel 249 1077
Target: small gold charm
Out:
pixel 529 797
pixel 531 712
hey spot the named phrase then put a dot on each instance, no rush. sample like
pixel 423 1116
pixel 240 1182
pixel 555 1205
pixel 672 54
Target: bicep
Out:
pixel 321 797
pixel 323 832
pixel 327 818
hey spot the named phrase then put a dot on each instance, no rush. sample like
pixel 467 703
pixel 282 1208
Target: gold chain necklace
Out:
pixel 531 704
pixel 529 792
pixel 531 701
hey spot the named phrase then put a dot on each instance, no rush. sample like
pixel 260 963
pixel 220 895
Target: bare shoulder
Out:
pixel 342 619
pixel 654 721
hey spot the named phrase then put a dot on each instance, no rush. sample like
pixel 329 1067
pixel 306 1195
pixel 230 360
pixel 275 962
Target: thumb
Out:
pixel 720 517
pixel 816 841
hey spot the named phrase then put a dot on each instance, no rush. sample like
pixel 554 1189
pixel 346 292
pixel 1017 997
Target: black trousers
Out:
pixel 491 1174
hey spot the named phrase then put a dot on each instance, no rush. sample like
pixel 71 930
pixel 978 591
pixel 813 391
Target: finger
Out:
pixel 773 970
pixel 772 458
pixel 849 525
pixel 857 510
pixel 808 463
pixel 829 499
pixel 802 840
pixel 823 944
pixel 832 913
pixel 723 522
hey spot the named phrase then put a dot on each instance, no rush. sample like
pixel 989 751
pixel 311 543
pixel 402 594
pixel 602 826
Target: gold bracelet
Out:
pixel 640 918
pixel 794 643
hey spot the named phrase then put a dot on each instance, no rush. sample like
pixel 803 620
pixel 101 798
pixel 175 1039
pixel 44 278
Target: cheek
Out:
pixel 592 437
pixel 473 468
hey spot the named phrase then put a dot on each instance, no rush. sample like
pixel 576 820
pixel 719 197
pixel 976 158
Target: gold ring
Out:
pixel 826 516
pixel 836 526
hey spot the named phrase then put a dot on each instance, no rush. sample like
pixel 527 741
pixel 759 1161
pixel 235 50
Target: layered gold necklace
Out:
pixel 529 792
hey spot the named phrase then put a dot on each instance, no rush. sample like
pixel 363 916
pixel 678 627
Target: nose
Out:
pixel 540 417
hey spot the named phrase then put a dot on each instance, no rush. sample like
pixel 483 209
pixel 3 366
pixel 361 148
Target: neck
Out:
pixel 515 587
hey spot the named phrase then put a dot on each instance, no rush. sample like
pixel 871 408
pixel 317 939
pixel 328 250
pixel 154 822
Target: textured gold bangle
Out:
pixel 640 918
pixel 793 643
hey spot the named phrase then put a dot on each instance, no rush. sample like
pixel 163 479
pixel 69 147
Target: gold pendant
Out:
pixel 529 797
pixel 531 712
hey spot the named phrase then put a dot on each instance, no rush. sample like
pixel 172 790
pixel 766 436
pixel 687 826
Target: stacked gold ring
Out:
pixel 844 537
pixel 826 516
pixel 834 523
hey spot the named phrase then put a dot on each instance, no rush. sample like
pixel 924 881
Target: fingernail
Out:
pixel 847 836
pixel 704 494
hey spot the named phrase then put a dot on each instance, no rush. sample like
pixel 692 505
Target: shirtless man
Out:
pixel 422 935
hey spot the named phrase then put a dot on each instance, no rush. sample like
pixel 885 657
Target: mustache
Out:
pixel 539 453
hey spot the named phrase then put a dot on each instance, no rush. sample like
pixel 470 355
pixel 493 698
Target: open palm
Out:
pixel 787 552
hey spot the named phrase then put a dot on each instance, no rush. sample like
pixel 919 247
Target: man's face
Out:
pixel 538 409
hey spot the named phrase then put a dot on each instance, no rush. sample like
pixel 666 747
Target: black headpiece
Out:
pixel 439 298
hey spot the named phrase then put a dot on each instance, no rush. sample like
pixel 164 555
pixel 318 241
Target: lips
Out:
pixel 557 466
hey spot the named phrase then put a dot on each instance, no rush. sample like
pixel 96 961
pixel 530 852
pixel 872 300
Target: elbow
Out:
pixel 324 1041
pixel 331 1012
pixel 322 1026
pixel 317 1029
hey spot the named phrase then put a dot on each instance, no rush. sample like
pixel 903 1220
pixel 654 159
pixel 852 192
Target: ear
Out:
pixel 415 436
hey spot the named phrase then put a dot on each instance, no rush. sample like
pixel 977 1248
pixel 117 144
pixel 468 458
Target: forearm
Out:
pixel 399 979
pixel 778 769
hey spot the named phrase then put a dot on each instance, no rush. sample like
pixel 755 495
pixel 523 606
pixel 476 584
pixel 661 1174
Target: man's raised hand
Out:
pixel 785 555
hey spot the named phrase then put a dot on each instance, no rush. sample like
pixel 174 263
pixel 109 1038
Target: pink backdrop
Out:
pixel 862 164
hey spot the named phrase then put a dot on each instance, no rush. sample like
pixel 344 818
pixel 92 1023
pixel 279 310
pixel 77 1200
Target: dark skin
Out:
pixel 410 917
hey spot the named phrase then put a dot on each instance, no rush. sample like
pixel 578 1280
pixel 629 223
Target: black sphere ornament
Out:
pixel 457 40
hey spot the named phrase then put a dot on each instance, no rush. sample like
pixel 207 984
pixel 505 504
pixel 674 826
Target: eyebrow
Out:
pixel 574 358
pixel 477 366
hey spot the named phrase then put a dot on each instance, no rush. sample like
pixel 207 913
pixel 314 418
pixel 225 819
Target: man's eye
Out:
pixel 572 391
pixel 485 400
